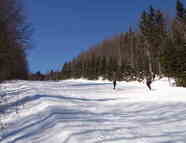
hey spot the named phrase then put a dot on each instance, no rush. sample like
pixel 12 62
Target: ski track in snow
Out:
pixel 80 111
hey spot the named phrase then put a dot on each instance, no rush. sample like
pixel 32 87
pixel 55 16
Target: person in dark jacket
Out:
pixel 148 82
pixel 114 80
pixel 114 84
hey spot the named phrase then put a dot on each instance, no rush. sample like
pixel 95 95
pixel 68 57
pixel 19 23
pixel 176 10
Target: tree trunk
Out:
pixel 159 67
pixel 119 51
pixel 132 52
pixel 149 57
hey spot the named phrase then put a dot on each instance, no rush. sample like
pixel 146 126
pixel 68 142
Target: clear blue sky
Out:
pixel 64 28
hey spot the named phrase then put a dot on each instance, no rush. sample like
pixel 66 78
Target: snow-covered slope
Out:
pixel 81 111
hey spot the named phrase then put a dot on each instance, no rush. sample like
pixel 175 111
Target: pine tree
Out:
pixel 152 27
pixel 180 11
pixel 174 55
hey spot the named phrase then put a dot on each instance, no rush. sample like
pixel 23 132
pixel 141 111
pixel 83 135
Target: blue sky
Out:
pixel 64 28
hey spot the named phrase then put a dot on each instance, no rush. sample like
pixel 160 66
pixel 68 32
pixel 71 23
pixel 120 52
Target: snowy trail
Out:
pixel 80 111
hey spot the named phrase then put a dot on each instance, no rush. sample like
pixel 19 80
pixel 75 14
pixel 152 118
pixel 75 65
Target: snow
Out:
pixel 82 111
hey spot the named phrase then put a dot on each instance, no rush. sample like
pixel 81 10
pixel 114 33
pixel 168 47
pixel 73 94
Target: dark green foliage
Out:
pixel 174 56
pixel 153 32
pixel 174 62
pixel 180 10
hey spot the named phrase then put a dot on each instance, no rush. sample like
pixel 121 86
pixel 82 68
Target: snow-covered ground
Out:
pixel 81 111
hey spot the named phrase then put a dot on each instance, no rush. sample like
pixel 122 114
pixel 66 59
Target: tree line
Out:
pixel 14 40
pixel 157 46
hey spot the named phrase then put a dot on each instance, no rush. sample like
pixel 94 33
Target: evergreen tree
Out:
pixel 153 29
pixel 174 55
pixel 180 10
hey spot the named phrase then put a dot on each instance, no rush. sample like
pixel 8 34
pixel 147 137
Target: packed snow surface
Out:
pixel 82 111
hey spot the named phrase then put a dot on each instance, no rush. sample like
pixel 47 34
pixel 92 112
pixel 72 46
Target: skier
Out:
pixel 148 82
pixel 114 84
pixel 114 80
